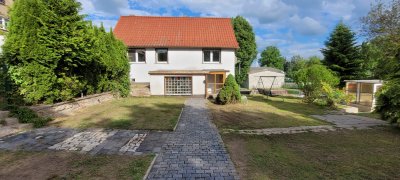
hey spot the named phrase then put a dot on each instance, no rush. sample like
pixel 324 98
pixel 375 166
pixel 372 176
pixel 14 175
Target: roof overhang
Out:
pixel 373 81
pixel 186 72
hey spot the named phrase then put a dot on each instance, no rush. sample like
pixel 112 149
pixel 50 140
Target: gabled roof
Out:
pixel 261 69
pixel 151 31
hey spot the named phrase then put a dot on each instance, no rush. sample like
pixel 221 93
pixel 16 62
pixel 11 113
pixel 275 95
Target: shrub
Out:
pixel 334 96
pixel 310 80
pixel 230 92
pixel 388 101
pixel 26 115
pixel 57 55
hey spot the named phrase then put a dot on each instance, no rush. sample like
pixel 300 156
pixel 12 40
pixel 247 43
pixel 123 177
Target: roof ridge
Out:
pixel 192 17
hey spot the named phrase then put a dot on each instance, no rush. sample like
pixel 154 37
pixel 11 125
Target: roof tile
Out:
pixel 151 31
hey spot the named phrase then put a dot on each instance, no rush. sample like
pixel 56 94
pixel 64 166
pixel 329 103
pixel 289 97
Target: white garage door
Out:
pixel 178 85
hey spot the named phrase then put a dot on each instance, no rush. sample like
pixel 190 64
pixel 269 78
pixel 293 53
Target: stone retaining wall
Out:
pixel 69 107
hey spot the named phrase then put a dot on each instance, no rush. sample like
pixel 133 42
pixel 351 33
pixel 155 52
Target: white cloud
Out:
pixel 342 8
pixel 306 25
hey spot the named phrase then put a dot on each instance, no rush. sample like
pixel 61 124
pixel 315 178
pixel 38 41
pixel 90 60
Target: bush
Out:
pixel 230 92
pixel 310 80
pixel 334 96
pixel 57 55
pixel 26 115
pixel 388 101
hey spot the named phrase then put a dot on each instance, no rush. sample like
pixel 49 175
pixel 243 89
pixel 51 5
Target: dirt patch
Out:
pixel 239 154
pixel 63 165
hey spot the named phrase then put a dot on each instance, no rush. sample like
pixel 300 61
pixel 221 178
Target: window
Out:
pixel 162 55
pixel 178 85
pixel 137 55
pixel 211 56
pixel 3 2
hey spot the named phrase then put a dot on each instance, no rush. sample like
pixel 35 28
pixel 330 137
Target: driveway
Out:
pixel 195 150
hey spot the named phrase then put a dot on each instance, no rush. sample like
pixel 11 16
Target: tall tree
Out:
pixel 53 54
pixel 341 53
pixel 382 27
pixel 247 51
pixel 271 57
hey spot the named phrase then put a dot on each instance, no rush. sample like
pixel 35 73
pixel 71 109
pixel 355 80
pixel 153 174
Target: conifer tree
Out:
pixel 342 55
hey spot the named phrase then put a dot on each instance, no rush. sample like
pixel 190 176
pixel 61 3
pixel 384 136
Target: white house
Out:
pixel 179 55
pixel 264 78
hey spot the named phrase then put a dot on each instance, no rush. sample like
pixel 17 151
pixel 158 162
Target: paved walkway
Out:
pixel 92 141
pixel 195 150
pixel 339 121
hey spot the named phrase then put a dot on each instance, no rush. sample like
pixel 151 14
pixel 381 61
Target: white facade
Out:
pixel 180 59
pixel 265 79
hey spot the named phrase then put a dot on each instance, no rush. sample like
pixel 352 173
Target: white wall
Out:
pixel 157 84
pixel 181 59
pixel 267 81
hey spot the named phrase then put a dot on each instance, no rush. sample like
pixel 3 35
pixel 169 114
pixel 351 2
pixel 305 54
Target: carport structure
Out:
pixel 364 93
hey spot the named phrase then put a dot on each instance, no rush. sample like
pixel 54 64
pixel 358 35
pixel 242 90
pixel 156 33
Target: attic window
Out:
pixel 211 56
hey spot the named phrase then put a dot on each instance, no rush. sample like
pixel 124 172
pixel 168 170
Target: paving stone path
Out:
pixel 195 150
pixel 92 141
pixel 339 121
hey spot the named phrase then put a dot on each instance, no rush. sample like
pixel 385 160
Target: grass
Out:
pixel 153 113
pixel 370 115
pixel 260 112
pixel 357 154
pixel 63 165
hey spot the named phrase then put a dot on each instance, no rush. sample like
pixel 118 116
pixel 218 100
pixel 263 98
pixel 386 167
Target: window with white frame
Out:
pixel 162 55
pixel 137 55
pixel 211 56
pixel 3 2
pixel 3 23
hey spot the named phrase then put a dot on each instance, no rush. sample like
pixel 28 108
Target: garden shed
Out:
pixel 364 92
pixel 264 78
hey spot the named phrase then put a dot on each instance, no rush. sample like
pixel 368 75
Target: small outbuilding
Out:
pixel 364 93
pixel 264 78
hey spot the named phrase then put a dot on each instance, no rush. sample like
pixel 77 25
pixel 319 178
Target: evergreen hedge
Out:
pixel 53 54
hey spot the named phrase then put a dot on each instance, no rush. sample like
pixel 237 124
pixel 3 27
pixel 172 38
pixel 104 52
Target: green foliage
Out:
pixel 247 51
pixel 26 115
pixel 388 101
pixel 382 26
pixel 56 55
pixel 297 63
pixel 334 96
pixel 372 55
pixel 271 57
pixel 311 80
pixel 342 55
pixel 230 92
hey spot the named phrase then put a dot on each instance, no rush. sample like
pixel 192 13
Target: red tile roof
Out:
pixel 150 31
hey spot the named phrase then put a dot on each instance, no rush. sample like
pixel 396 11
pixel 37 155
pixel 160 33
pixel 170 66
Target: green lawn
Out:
pixel 152 113
pixel 63 165
pixel 261 112
pixel 357 154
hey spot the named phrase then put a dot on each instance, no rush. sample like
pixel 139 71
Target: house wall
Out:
pixel 180 59
pixel 253 79
pixel 157 84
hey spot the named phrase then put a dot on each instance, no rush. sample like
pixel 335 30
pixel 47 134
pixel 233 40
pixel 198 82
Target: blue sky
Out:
pixel 296 27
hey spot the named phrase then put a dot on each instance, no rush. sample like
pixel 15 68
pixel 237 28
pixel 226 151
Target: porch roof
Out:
pixel 186 72
pixel 372 81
